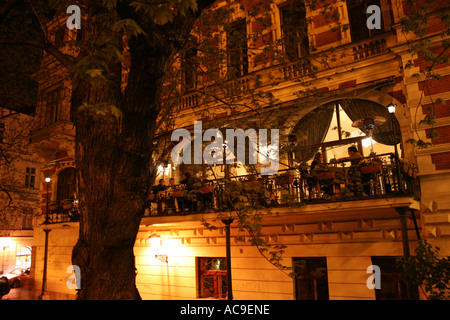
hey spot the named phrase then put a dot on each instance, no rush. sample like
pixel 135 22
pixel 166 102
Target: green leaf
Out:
pixel 129 26
pixel 101 109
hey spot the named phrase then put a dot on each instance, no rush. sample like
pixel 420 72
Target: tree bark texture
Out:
pixel 114 163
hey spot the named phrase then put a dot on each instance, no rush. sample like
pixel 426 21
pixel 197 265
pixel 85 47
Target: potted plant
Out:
pixel 285 178
pixel 179 192
pixel 372 164
pixel 408 168
pixel 206 189
pixel 53 206
pixel 324 172
pixel 67 205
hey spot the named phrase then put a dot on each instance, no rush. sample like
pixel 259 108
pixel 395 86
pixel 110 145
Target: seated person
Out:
pixel 355 174
pixel 159 188
pixel 171 202
pixel 353 156
pixel 172 186
pixel 323 185
pixel 206 199
pixel 189 202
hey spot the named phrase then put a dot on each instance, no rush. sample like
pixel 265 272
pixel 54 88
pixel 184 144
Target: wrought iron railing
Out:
pixel 339 181
pixel 62 211
pixel 371 178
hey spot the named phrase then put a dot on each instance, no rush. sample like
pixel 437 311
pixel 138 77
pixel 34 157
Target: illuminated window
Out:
pixel 23 257
pixel 212 278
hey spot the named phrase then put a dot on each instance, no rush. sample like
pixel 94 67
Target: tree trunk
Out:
pixel 115 171
pixel 114 175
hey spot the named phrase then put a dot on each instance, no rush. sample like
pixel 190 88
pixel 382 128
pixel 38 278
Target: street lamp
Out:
pixel 43 296
pixel 227 223
pixel 46 221
pixel 156 244
pixel 391 108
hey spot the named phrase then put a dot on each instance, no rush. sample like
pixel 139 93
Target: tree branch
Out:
pixel 66 60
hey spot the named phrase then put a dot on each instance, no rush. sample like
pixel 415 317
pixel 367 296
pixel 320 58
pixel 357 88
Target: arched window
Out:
pixel 23 257
pixel 329 129
pixel 66 184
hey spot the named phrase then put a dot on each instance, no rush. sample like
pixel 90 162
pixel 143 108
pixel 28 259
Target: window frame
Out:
pixel 310 263
pixel 362 5
pixel 53 102
pixel 238 63
pixel 30 178
pixel 302 47
pixel 219 275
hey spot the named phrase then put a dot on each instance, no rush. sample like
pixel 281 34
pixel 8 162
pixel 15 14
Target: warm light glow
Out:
pixel 391 108
pixel 165 170
pixel 155 242
pixel 5 242
pixel 367 142
pixel 47 179
pixel 157 248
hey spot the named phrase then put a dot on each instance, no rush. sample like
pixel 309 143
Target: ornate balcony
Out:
pixel 303 186
pixel 62 211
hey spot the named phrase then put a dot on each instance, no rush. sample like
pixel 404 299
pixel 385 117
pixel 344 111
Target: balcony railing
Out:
pixel 369 48
pixel 371 179
pixel 62 211
pixel 340 181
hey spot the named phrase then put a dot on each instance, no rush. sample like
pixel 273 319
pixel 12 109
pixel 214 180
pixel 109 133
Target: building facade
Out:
pixel 331 229
pixel 19 194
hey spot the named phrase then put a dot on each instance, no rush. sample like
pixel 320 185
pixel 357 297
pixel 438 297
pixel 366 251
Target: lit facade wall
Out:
pixel 347 234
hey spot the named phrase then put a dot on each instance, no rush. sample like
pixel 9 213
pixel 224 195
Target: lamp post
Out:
pixel 391 109
pixel 43 296
pixel 227 223
pixel 46 221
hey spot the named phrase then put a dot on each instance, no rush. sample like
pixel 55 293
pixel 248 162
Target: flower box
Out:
pixel 405 167
pixel 53 207
pixel 284 180
pixel 409 170
pixel 179 193
pixel 373 168
pixel 326 175
pixel 206 189
pixel 67 206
